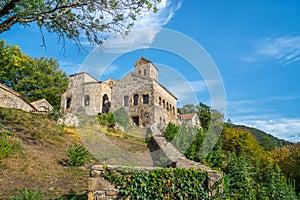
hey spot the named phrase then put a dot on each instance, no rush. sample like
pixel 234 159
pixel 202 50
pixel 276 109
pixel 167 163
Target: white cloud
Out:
pixel 284 128
pixel 253 113
pixel 284 49
pixel 139 37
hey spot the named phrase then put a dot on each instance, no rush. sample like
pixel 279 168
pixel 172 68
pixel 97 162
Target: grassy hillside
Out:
pixel 36 160
pixel 268 141
pixel 35 156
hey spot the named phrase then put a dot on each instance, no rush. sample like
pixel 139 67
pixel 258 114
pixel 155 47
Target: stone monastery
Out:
pixel 139 93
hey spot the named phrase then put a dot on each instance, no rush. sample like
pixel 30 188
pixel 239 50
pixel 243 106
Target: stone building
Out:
pixel 191 119
pixel 12 99
pixel 139 93
pixel 42 105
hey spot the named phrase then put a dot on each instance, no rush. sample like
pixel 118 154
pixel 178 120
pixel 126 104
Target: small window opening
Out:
pixel 86 100
pixel 68 103
pixel 146 99
pixel 135 99
pixel 126 101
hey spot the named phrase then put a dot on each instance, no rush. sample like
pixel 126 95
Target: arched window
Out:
pixel 105 104
pixel 140 72
pixel 146 99
pixel 126 101
pixel 167 106
pixel 159 101
pixel 86 100
pixel 145 72
pixel 173 110
pixel 135 99
pixel 68 103
pixel 164 104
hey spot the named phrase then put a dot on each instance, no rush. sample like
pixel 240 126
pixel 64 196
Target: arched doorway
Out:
pixel 105 104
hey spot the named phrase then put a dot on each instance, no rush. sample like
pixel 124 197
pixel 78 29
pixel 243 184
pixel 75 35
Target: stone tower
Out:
pixel 145 67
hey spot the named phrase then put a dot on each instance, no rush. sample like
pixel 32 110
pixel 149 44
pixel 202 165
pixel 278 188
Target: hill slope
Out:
pixel 268 141
pixel 37 159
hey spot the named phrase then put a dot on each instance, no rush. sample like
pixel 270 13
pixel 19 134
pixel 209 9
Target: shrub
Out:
pixel 106 119
pixel 171 131
pixel 166 183
pixel 77 155
pixel 122 117
pixel 6 147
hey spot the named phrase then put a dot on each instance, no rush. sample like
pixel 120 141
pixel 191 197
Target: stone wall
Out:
pixel 99 188
pixel 178 160
pixel 12 99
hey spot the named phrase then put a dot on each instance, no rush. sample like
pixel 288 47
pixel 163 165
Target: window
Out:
pixel 159 101
pixel 86 100
pixel 167 106
pixel 146 99
pixel 140 72
pixel 135 99
pixel 68 103
pixel 164 104
pixel 126 100
pixel 145 72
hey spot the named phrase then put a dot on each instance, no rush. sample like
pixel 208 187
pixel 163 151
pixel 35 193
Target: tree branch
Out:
pixel 7 7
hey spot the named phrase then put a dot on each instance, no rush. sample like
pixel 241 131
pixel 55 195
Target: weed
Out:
pixel 29 195
pixel 77 155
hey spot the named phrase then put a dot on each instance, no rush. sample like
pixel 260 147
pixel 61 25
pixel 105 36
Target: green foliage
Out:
pixel 269 142
pixel 34 78
pixel 167 183
pixel 193 151
pixel 93 20
pixel 204 113
pixel 122 117
pixel 288 159
pixel 171 131
pixel 29 195
pixel 106 119
pixel 6 146
pixel 77 155
pixel 245 180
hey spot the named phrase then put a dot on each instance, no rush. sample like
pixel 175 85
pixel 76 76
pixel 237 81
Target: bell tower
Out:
pixel 145 67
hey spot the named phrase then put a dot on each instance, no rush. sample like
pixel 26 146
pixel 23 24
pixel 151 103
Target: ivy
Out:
pixel 166 183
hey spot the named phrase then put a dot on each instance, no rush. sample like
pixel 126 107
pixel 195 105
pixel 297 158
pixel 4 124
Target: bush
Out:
pixel 106 120
pixel 166 183
pixel 77 155
pixel 6 147
pixel 122 117
pixel 171 131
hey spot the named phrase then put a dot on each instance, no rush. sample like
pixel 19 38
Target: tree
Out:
pixel 204 113
pixel 71 19
pixel 288 159
pixel 34 78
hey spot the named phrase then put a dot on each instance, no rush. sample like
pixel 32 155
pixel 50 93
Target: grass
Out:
pixel 42 145
pixel 33 163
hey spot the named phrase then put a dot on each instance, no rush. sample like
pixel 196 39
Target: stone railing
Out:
pixel 99 188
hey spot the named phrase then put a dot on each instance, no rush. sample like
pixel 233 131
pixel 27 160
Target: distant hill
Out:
pixel 268 141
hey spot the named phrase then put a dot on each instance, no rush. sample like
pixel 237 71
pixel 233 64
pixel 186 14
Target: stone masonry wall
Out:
pixel 12 99
pixel 99 188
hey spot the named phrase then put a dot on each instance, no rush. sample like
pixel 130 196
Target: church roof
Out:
pixel 187 116
pixel 142 60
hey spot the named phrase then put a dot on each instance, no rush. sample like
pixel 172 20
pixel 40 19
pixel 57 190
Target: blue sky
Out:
pixel 255 46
